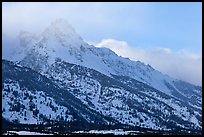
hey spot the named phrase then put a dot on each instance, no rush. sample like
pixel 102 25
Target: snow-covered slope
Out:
pixel 30 106
pixel 74 93
pixel 30 98
pixel 137 104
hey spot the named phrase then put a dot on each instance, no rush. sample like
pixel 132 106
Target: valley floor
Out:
pixel 94 132
pixel 24 133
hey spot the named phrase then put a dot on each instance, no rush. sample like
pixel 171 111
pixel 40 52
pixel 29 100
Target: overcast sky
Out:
pixel 167 36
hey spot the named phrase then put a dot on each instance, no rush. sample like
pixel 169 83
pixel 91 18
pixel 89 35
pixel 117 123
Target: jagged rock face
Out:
pixel 117 89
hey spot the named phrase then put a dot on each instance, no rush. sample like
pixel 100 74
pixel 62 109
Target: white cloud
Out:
pixel 181 65
pixel 113 44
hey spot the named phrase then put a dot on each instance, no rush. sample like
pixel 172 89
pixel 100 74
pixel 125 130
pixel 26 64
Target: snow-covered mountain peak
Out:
pixel 64 33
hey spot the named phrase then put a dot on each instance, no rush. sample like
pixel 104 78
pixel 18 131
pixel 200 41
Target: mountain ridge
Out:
pixel 101 59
